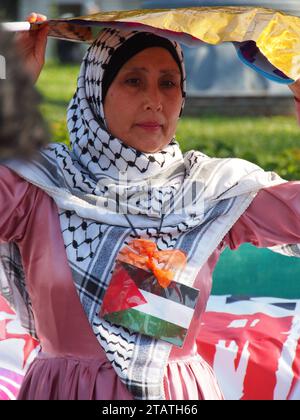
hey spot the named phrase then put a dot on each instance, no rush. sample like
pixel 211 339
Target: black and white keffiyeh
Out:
pixel 84 182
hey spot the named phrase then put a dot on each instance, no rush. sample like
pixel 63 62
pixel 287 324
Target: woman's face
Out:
pixel 143 103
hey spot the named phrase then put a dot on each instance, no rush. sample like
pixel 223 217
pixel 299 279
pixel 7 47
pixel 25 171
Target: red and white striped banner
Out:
pixel 17 350
pixel 253 345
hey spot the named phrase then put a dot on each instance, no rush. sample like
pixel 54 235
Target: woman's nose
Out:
pixel 153 100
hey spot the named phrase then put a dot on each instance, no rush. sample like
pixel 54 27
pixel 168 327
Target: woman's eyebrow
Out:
pixel 171 71
pixel 147 71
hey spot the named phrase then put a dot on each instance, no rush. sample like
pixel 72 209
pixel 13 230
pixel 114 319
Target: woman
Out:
pixel 59 212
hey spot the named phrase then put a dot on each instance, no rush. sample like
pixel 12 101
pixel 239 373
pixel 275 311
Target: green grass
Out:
pixel 271 142
pixel 57 85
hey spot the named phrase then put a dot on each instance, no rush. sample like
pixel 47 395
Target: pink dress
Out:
pixel 72 365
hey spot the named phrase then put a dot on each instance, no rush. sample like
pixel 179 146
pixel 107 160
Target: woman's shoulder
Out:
pixel 8 174
pixel 229 165
pixel 13 186
pixel 20 203
pixel 11 178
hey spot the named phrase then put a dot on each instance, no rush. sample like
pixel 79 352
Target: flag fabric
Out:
pixel 136 300
pixel 17 350
pixel 253 345
pixel 264 38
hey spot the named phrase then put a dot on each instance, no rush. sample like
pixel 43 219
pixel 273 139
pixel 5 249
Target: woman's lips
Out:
pixel 150 126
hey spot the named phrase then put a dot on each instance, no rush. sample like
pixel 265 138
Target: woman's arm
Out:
pixel 22 127
pixel 297 104
pixel 273 218
pixel 32 46
pixel 295 88
pixel 17 198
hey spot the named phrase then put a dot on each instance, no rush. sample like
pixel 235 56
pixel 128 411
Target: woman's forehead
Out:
pixel 157 57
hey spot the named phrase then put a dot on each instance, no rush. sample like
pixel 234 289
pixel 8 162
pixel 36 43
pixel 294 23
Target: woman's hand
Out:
pixel 295 88
pixel 32 46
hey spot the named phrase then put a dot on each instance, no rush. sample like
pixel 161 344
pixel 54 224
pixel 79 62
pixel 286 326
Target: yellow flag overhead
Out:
pixel 275 36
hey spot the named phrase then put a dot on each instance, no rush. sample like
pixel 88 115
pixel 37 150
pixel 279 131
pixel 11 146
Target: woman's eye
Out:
pixel 168 83
pixel 133 81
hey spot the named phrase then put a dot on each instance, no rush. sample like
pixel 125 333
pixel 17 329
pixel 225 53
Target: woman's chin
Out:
pixel 151 148
pixel 147 146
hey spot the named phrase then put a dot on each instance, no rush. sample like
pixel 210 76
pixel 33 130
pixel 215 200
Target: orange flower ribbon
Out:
pixel 143 253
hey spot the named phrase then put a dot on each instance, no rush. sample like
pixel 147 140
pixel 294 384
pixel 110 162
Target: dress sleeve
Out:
pixel 273 218
pixel 17 198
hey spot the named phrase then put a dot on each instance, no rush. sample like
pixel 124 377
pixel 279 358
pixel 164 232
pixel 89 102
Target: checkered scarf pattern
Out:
pixel 82 180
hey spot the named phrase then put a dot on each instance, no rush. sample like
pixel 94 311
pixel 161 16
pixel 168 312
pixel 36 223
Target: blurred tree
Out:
pixel 9 9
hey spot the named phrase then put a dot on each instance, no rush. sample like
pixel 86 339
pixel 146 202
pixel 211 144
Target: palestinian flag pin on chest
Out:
pixel 143 297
